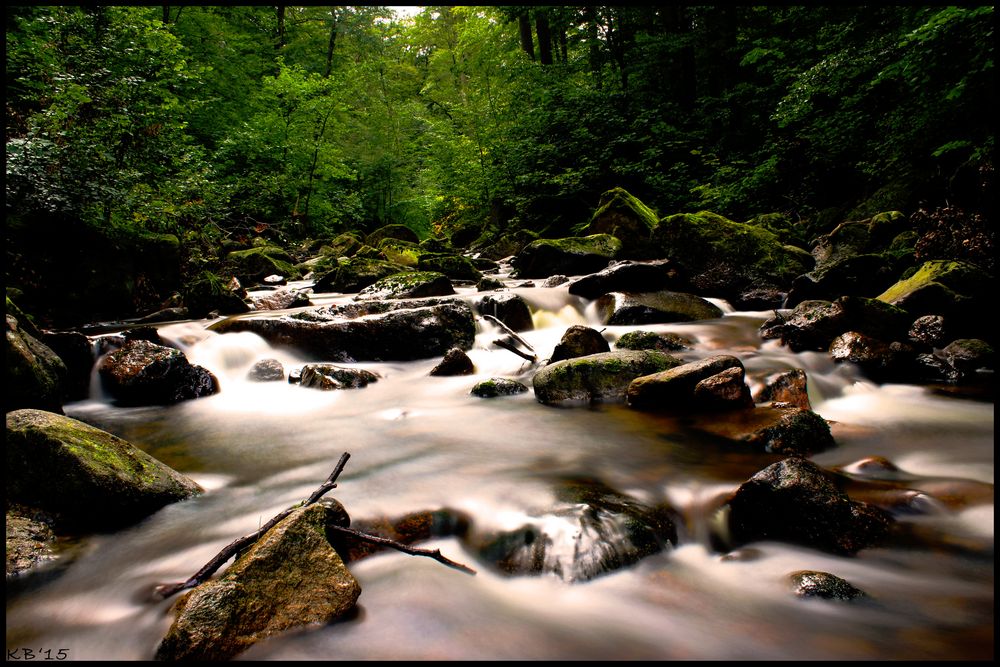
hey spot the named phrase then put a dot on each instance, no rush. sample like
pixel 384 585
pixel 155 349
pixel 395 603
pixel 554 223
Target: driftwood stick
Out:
pixel 392 544
pixel 242 543
pixel 500 342
pixel 510 331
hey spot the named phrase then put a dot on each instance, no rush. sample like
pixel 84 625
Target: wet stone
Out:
pixel 812 584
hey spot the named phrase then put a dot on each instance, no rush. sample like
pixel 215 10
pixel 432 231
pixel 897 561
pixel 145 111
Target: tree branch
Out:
pixel 399 546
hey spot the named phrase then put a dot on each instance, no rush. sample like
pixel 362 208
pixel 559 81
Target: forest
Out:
pixel 221 124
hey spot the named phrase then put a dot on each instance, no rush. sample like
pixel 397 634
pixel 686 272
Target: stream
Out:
pixel 420 442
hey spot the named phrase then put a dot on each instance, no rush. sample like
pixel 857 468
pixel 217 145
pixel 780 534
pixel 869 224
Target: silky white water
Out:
pixel 420 442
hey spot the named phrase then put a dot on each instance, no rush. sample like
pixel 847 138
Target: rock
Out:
pixel 455 362
pixel 623 216
pixel 812 584
pixel 813 325
pixel 597 377
pixel 330 376
pixel 495 387
pixel 654 307
pixel 407 285
pixel 354 275
pixel 570 256
pixel 274 279
pixel 401 232
pixel 724 258
pixel 344 245
pixel 726 390
pixel 593 531
pixel 292 577
pixel 929 331
pixel 488 284
pixel 77 352
pixel 626 277
pixel 509 308
pixel 579 341
pixel 789 387
pixel 456 267
pixel 879 360
pixel 409 332
pixel 956 290
pixel 509 244
pixel 30 540
pixel 794 501
pixel 969 355
pixel 763 298
pixel 555 281
pixel 165 315
pixel 266 370
pixel 209 292
pixel 143 373
pixel 775 429
pixel 35 375
pixel 673 388
pixel 281 299
pixel 254 264
pixel 856 275
pixel 647 340
pixel 87 478
pixel 403 253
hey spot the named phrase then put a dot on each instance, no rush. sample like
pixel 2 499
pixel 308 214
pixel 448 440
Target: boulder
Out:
pixel 77 352
pixel 403 253
pixel 813 584
pixel 508 244
pixel 355 274
pixel 723 258
pixel 408 332
pixel 291 578
pixel 969 355
pixel 579 341
pixel 509 308
pixel 673 388
pixel 35 375
pixel 330 376
pixel 957 290
pixel 795 501
pixel 266 370
pixel 495 387
pixel 855 275
pixel 570 256
pixel 143 373
pixel 626 277
pixel 597 377
pixel 407 285
pixel 209 293
pixel 594 530
pixel 85 477
pixel 619 308
pixel 488 284
pixel 775 429
pixel 880 361
pixel 726 390
pixel 623 216
pixel 555 281
pixel 401 232
pixel 929 331
pixel 171 314
pixel 456 267
pixel 255 264
pixel 648 340
pixel 281 299
pixel 455 362
pixel 813 325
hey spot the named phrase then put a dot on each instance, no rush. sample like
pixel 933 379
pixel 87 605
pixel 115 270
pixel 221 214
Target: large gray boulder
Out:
pixel 144 373
pixel 291 578
pixel 87 478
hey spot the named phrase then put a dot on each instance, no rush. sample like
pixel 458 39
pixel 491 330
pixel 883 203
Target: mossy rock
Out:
pixel 400 232
pixel 408 285
pixel 726 257
pixel 35 375
pixel 86 477
pixel 438 245
pixel 941 287
pixel 456 267
pixel 355 274
pixel 782 226
pixel 495 387
pixel 344 245
pixel 255 264
pixel 624 216
pixel 597 377
pixel 208 292
pixel 570 256
pixel 648 340
pixel 508 244
pixel 404 253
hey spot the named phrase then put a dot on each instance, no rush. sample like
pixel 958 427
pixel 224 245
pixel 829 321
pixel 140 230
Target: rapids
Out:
pixel 420 442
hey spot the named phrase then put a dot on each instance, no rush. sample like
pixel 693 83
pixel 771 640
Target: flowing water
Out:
pixel 419 442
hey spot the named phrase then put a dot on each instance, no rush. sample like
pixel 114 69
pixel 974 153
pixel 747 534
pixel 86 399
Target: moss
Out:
pixel 257 263
pixel 495 387
pixel 605 375
pixel 623 216
pixel 457 267
pixel 400 252
pixel 959 277
pixel 409 284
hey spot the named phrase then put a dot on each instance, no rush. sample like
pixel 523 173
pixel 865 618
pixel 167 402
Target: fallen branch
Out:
pixel 240 545
pixel 500 342
pixel 509 331
pixel 399 546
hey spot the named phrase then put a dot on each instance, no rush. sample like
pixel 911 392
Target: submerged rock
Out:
pixel 143 373
pixel 495 387
pixel 266 370
pixel 597 377
pixel 594 530
pixel 795 501
pixel 85 477
pixel 654 307
pixel 292 577
pixel 776 429
pixel 812 584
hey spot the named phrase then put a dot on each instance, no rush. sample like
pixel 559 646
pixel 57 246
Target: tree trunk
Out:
pixel 280 11
pixel 332 44
pixel 525 28
pixel 594 46
pixel 544 38
pixel 166 14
